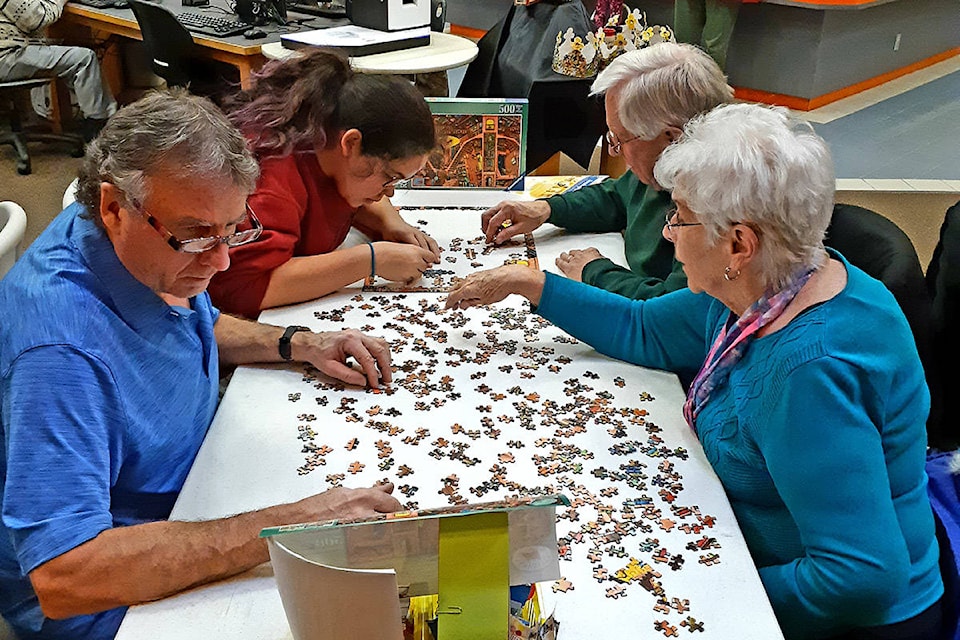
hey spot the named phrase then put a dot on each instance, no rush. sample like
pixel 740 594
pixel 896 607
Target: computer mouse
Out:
pixel 254 34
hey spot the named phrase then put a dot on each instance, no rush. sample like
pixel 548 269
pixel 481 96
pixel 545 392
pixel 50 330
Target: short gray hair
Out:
pixel 663 85
pixel 174 132
pixel 757 165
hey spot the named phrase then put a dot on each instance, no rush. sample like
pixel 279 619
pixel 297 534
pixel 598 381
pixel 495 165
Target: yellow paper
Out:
pixel 474 577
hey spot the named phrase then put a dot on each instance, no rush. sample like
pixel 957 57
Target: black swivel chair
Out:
pixel 877 245
pixel 943 285
pixel 174 54
pixel 14 97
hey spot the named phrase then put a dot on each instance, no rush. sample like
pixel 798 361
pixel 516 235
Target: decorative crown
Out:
pixel 574 57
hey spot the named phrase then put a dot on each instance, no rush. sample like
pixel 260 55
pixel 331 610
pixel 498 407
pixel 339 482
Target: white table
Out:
pixel 258 449
pixel 445 51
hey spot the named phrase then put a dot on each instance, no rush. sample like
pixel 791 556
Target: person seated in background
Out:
pixel 25 54
pixel 650 94
pixel 331 143
pixel 109 360
pixel 808 394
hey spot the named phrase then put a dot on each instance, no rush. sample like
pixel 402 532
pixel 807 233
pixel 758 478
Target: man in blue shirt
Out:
pixel 109 366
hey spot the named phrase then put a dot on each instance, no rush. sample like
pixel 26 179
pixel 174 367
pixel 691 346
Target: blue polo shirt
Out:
pixel 106 393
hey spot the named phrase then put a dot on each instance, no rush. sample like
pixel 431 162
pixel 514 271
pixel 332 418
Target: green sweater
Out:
pixel 632 208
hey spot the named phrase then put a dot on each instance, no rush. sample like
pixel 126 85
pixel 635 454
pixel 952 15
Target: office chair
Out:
pixel 943 286
pixel 173 53
pixel 70 194
pixel 879 247
pixel 13 224
pixel 14 94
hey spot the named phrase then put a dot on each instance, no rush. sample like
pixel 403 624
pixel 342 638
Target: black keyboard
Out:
pixel 332 9
pixel 207 24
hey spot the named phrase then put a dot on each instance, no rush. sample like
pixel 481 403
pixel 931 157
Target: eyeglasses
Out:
pixel 204 244
pixel 392 182
pixel 670 226
pixel 615 145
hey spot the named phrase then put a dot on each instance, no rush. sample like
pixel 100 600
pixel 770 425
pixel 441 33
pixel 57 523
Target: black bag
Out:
pixel 515 61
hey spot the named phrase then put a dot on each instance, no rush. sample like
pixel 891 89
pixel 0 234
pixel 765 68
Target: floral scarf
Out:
pixel 732 343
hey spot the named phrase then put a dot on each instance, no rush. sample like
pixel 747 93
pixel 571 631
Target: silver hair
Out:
pixel 662 86
pixel 171 132
pixel 757 165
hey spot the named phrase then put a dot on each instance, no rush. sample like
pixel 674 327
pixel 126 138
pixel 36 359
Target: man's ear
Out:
pixel 111 201
pixel 672 133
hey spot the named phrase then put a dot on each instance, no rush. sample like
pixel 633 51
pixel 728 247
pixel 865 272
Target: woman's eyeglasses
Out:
pixel 671 226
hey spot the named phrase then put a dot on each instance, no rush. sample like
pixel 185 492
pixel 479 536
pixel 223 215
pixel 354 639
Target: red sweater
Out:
pixel 302 215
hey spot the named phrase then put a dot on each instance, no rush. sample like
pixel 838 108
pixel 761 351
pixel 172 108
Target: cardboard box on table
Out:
pixel 482 143
pixel 342 579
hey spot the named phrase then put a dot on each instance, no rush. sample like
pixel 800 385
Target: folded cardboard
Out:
pixel 341 580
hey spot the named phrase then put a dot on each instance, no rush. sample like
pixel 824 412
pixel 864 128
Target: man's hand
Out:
pixel 401 262
pixel 571 263
pixel 340 503
pixel 493 285
pixel 144 562
pixel 409 234
pixel 329 352
pixel 519 217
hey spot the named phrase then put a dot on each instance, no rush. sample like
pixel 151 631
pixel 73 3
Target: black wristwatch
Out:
pixel 284 345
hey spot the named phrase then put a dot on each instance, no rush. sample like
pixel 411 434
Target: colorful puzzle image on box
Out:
pixel 482 143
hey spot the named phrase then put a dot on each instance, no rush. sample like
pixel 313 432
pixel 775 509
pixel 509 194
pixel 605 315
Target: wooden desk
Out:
pixel 83 24
pixel 484 402
pixel 80 24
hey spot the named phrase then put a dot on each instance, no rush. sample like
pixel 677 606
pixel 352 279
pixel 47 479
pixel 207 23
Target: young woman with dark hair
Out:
pixel 331 144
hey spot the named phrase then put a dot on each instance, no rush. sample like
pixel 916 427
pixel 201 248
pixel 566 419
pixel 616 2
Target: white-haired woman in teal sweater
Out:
pixel 807 391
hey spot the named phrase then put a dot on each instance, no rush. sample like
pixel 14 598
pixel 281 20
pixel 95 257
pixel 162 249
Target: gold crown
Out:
pixel 574 57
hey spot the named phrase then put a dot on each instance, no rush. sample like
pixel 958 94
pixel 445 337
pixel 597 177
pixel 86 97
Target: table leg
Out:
pixel 247 65
pixel 111 61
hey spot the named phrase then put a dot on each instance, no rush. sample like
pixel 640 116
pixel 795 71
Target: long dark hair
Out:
pixel 303 100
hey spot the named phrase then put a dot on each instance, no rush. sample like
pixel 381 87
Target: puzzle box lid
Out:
pixel 408 541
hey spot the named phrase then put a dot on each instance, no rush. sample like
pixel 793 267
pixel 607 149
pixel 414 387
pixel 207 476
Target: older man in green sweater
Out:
pixel 650 94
